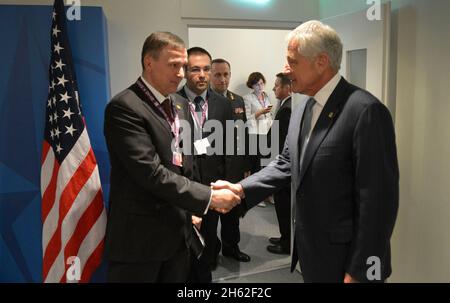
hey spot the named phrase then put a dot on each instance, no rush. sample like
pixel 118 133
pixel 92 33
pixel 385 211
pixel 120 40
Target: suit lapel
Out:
pixel 151 108
pixel 326 119
pixel 180 104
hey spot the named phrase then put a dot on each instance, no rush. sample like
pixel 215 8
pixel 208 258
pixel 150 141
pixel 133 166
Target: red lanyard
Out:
pixel 194 113
pixel 175 125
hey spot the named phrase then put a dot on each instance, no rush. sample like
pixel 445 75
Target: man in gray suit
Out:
pixel 340 158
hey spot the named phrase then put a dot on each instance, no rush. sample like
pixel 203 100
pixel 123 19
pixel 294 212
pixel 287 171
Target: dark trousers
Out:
pixel 209 232
pixel 200 271
pixel 283 209
pixel 230 233
pixel 173 270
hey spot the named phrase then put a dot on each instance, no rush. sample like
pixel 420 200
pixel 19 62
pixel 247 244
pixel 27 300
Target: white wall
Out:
pixel 272 10
pixel 130 22
pixel 421 240
pixel 248 50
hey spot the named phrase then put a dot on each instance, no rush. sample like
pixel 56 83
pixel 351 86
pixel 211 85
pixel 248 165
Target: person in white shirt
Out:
pixel 259 120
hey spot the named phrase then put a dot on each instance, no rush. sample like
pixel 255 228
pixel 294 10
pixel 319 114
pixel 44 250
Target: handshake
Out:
pixel 225 196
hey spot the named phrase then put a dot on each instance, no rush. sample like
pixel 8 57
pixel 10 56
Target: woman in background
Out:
pixel 259 117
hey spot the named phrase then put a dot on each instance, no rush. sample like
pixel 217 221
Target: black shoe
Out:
pixel 275 241
pixel 277 249
pixel 237 255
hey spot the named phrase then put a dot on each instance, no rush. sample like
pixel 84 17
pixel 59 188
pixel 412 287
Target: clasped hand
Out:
pixel 225 196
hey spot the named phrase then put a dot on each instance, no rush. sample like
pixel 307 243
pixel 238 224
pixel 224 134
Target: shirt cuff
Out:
pixel 209 203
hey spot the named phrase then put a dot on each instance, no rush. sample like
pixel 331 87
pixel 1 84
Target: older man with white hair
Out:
pixel 340 157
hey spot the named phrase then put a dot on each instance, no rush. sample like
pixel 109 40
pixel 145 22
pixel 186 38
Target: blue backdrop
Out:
pixel 24 63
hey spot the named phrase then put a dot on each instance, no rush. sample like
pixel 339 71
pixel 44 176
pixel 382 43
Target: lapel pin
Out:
pixel 178 106
pixel 331 115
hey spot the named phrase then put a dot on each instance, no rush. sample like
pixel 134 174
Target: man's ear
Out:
pixel 148 61
pixel 322 62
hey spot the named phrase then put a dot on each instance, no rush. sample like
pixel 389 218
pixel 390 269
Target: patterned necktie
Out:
pixel 306 127
pixel 198 101
pixel 167 106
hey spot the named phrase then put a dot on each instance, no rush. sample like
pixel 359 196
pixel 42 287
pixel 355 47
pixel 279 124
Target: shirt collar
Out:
pixel 154 91
pixel 325 92
pixel 191 95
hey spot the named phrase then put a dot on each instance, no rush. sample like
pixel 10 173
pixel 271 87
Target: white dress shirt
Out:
pixel 154 91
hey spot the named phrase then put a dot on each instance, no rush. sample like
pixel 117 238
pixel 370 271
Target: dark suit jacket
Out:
pixel 346 193
pixel 151 200
pixel 210 168
pixel 283 116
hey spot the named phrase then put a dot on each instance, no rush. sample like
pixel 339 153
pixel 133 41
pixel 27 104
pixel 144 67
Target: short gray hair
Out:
pixel 314 37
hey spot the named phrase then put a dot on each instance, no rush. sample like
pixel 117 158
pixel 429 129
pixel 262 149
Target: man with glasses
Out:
pixel 205 105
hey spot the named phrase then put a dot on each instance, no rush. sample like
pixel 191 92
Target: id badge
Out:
pixel 201 146
pixel 177 159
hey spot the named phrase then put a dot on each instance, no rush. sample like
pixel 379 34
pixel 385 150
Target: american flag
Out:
pixel 73 212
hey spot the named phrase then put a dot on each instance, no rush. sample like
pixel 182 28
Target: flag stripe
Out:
pixel 84 225
pixel 90 190
pixel 93 262
pixel 45 148
pixel 91 241
pixel 65 173
pixel 68 196
pixel 47 165
pixel 48 199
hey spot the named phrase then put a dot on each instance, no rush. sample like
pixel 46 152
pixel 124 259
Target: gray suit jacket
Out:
pixel 345 196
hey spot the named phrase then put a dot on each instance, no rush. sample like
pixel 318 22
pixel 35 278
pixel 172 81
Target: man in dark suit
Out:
pixel 281 245
pixel 340 157
pixel 238 164
pixel 206 106
pixel 152 198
